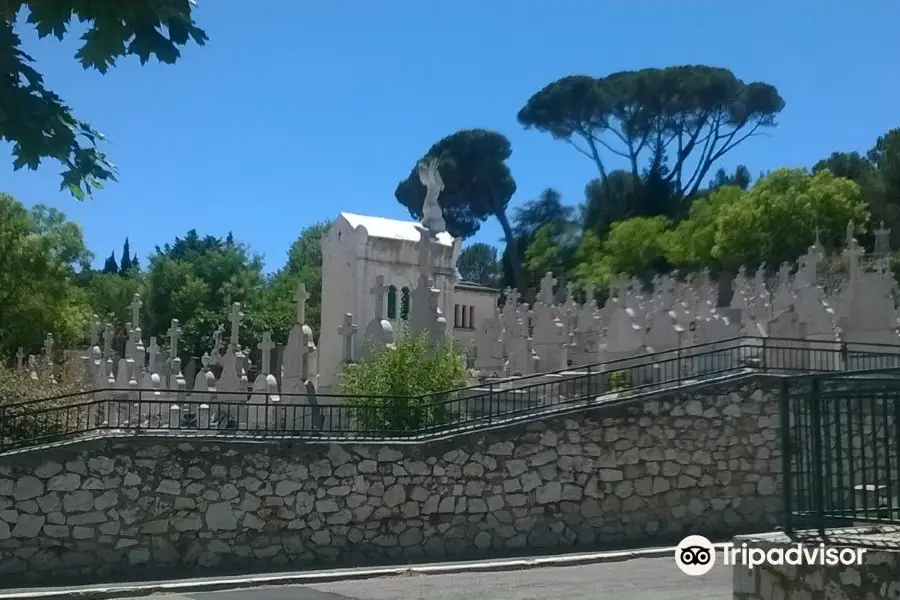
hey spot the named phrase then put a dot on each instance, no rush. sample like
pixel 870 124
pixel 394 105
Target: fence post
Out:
pixel 786 457
pixel 816 425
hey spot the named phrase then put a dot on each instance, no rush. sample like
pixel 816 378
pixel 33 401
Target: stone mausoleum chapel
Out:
pixel 371 268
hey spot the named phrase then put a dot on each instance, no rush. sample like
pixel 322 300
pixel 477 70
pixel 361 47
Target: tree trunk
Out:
pixel 512 245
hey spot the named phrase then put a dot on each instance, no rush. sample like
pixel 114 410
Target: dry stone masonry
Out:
pixel 878 578
pixel 648 471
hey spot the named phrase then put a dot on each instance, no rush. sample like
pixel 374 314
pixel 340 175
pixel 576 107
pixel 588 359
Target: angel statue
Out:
pixel 430 176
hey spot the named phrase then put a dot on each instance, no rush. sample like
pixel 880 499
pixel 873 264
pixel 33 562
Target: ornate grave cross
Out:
pixel 48 347
pixel 266 346
pixel 348 330
pixel 135 307
pixel 235 318
pixel 301 296
pixel 20 357
pixel 153 351
pixel 174 332
pixel 547 283
pixel 378 291
pixel 108 333
pixel 94 333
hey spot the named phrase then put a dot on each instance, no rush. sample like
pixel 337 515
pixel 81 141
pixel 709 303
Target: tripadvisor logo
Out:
pixel 695 555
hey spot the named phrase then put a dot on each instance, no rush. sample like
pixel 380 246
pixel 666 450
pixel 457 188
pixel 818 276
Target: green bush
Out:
pixel 619 380
pixel 400 389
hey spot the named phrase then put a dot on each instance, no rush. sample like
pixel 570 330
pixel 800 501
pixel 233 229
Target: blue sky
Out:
pixel 298 109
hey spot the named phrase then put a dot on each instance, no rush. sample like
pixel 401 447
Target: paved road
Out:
pixel 638 579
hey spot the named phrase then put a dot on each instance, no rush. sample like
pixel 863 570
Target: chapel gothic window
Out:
pixel 391 303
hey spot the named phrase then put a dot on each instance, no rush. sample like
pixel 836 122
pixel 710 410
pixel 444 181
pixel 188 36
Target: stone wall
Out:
pixel 878 578
pixel 644 472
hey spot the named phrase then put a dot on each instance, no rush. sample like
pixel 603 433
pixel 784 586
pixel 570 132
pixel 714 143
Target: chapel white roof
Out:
pixel 392 229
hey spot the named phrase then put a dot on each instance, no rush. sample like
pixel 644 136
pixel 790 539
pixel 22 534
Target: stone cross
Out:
pixel 95 330
pixel 852 252
pixel 108 333
pixel 301 296
pixel 235 318
pixel 153 351
pixel 348 330
pixel 135 307
pixel 378 291
pixel 547 283
pixel 174 332
pixel 812 264
pixel 20 357
pixel 266 346
pixel 48 346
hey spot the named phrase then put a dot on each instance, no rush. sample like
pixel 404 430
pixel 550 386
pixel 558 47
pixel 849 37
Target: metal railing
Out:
pixel 841 449
pixel 497 402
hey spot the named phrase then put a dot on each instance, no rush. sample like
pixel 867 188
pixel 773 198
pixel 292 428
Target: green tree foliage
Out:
pixel 609 200
pixel 739 178
pixel 109 296
pixel 548 251
pixel 111 266
pixel 479 263
pixel 37 122
pixel 304 265
pixel 560 229
pixel 773 222
pixel 477 185
pixel 194 280
pixel 669 125
pixel 691 243
pixel 849 165
pixel 41 253
pixel 125 264
pixel 396 390
pixel 634 247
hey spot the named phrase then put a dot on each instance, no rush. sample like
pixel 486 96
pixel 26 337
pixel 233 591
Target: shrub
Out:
pixel 619 381
pixel 45 413
pixel 399 389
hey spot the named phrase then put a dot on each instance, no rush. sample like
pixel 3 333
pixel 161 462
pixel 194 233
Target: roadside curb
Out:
pixel 193 586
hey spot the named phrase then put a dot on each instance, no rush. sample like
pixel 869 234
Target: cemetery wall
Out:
pixel 647 472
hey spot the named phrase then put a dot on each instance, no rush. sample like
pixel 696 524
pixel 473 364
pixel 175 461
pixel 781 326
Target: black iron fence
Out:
pixel 495 402
pixel 841 449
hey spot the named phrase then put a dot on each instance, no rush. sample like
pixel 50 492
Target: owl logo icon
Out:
pixel 695 555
